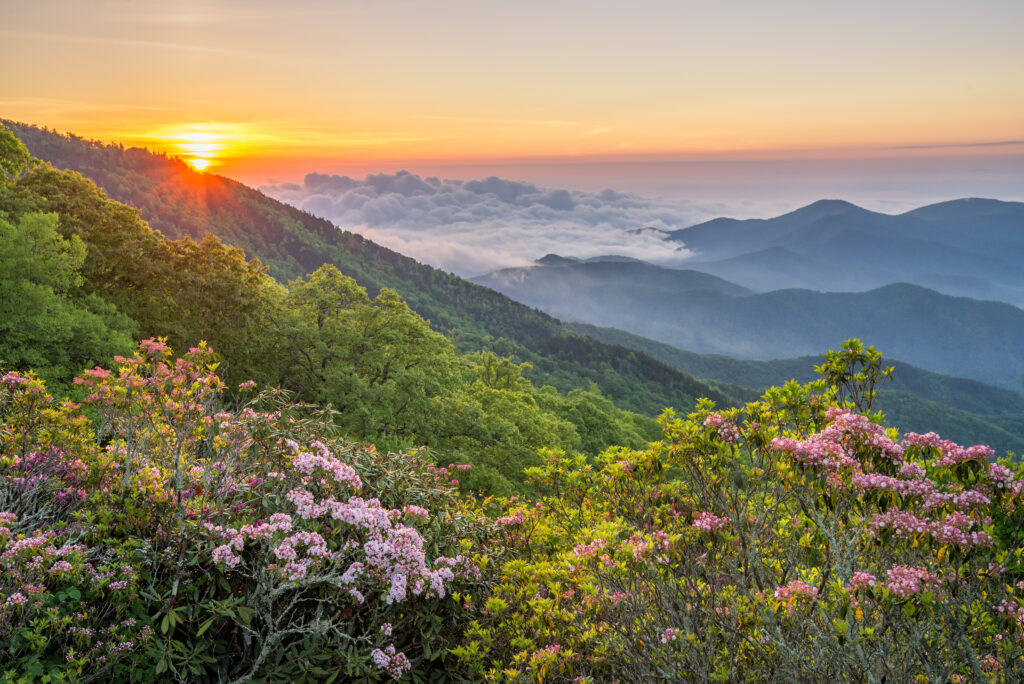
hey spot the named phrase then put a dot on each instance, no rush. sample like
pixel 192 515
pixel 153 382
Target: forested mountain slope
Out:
pixel 178 201
pixel 957 336
pixel 82 276
pixel 916 399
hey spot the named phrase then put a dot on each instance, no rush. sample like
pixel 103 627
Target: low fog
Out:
pixel 473 227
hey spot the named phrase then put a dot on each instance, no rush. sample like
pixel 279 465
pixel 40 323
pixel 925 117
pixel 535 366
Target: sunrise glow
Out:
pixel 273 93
pixel 202 146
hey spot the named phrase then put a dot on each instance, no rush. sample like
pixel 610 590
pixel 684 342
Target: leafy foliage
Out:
pixel 205 542
pixel 46 322
pixel 792 539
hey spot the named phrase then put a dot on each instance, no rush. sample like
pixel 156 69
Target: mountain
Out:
pixel 179 202
pixel 953 335
pixel 597 288
pixel 963 410
pixel 967 247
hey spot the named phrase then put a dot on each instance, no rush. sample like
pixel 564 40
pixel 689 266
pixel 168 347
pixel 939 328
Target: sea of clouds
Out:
pixel 477 226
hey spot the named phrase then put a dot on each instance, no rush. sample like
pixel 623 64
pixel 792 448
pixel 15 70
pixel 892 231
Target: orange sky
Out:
pixel 263 89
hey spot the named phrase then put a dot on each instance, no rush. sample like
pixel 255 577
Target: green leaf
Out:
pixel 203 627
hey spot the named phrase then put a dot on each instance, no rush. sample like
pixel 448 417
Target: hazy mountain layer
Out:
pixel 917 400
pixel 953 335
pixel 968 247
pixel 590 290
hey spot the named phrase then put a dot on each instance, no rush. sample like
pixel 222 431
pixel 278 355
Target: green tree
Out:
pixel 376 361
pixel 44 323
pixel 14 157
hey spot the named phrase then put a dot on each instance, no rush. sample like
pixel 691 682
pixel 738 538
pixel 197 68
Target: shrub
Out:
pixel 793 539
pixel 242 540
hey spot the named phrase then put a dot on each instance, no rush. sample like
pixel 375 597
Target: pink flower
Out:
pixel 13 379
pixel 905 581
pixel 860 580
pixel 797 589
pixel 396 664
pixel 416 512
pixel 223 554
pixel 517 518
pixel 16 599
pixel 152 347
pixel 708 522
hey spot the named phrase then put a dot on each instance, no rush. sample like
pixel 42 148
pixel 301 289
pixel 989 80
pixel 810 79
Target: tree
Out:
pixel 45 323
pixel 14 157
pixel 376 361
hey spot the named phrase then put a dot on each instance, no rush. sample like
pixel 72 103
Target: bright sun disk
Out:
pixel 200 145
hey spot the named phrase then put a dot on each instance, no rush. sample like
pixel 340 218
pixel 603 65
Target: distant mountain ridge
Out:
pixel 968 247
pixel 599 289
pixel 694 311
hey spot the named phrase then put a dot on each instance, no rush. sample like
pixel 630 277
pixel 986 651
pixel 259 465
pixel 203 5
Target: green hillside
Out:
pixel 179 202
pixel 916 400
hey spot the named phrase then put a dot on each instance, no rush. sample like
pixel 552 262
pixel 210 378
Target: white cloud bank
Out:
pixel 473 227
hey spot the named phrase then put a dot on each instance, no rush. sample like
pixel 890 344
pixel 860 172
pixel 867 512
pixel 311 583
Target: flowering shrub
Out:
pixel 794 539
pixel 188 535
pixel 190 532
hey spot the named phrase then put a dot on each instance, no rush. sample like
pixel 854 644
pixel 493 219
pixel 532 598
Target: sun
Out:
pixel 204 146
pixel 200 145
pixel 200 148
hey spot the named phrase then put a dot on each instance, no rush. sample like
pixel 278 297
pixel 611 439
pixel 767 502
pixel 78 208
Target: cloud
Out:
pixel 476 226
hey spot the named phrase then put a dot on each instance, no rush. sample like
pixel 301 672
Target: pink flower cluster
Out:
pixel 13 379
pixel 396 664
pixel 393 554
pixel 862 580
pixel 639 547
pixel 1000 474
pixel 906 581
pixel 297 566
pixel 953 529
pixel 397 558
pixel 517 518
pixel 830 455
pixel 834 447
pixel 950 453
pixel 914 487
pixel 416 512
pixel 16 599
pixel 342 473
pixel 709 522
pixel 797 589
pixel 550 650
pixel 366 515
pixel 670 634
pixel 591 549
pixel 727 430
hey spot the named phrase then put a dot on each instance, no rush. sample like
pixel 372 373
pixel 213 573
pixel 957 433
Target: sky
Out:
pixel 751 105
